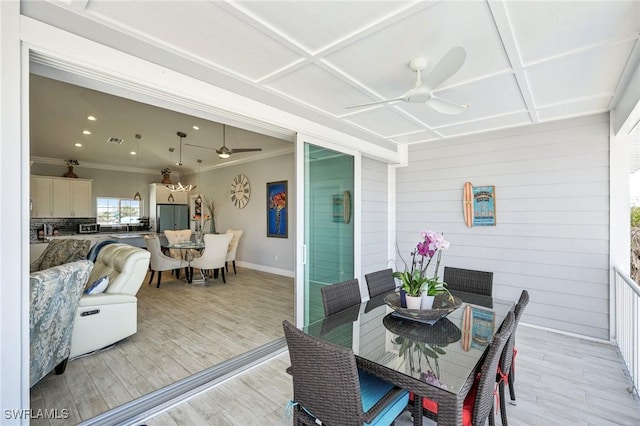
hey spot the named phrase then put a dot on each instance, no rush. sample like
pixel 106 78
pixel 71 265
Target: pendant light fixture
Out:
pixel 178 187
pixel 138 197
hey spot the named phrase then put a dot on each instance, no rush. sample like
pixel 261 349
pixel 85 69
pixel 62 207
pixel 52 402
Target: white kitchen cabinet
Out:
pixel 61 197
pixel 41 196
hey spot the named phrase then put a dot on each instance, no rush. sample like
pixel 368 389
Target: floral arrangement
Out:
pixel 198 218
pixel 165 171
pixel 278 201
pixel 414 278
pixel 72 162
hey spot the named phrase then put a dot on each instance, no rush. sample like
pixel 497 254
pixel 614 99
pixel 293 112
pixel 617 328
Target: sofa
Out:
pixel 54 296
pixel 61 251
pixel 105 318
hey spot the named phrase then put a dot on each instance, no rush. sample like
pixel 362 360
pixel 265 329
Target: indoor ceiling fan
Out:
pixel 422 91
pixel 224 151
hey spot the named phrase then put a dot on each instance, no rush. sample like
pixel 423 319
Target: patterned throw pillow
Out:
pixel 98 286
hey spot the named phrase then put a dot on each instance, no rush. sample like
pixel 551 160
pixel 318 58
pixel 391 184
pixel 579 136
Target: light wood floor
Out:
pixel 182 329
pixel 561 380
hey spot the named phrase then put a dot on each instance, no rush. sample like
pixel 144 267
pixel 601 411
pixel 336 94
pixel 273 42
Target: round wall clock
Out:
pixel 240 191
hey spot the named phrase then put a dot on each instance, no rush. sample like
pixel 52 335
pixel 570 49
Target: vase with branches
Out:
pixel 210 204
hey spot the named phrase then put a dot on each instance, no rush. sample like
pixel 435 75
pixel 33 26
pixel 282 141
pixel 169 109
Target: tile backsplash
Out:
pixel 64 225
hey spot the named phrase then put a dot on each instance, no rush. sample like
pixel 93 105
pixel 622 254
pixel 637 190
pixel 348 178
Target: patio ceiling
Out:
pixel 526 61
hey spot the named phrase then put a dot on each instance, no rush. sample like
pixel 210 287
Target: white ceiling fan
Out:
pixel 224 151
pixel 422 91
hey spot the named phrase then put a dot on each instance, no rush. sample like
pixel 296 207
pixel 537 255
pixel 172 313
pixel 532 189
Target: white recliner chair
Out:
pixel 106 318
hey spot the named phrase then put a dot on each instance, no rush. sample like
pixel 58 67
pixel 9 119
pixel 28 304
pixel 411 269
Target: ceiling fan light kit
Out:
pixel 422 91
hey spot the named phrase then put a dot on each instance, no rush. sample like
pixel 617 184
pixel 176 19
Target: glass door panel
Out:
pixel 328 225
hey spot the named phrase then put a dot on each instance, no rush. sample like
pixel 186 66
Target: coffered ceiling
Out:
pixel 526 61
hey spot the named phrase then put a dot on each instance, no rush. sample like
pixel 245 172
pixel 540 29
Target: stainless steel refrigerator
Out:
pixel 172 216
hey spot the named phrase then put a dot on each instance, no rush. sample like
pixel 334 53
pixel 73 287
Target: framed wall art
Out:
pixel 277 211
pixel 479 205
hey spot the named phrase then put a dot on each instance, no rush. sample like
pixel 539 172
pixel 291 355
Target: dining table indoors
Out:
pixel 433 357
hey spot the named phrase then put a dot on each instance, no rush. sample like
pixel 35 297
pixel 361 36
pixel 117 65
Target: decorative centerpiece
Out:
pixel 166 175
pixel 70 164
pixel 210 204
pixel 419 287
pixel 199 222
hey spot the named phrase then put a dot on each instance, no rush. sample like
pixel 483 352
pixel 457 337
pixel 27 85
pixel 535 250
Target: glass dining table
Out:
pixel 186 248
pixel 436 361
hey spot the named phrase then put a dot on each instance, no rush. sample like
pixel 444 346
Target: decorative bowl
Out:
pixel 443 304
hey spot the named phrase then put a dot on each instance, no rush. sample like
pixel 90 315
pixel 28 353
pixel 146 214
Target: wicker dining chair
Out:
pixel 468 280
pixel 380 282
pixel 328 387
pixel 478 405
pixel 336 297
pixel 507 369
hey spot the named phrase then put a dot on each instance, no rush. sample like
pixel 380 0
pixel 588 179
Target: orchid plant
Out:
pixel 415 280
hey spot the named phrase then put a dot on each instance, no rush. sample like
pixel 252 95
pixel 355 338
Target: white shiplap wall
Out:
pixel 552 202
pixel 374 218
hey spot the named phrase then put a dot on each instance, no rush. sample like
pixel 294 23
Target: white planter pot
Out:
pixel 427 301
pixel 414 302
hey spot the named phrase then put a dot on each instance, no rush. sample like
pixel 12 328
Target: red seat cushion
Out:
pixel 467 406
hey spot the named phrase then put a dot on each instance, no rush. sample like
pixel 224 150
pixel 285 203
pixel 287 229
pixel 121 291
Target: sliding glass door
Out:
pixel 326 240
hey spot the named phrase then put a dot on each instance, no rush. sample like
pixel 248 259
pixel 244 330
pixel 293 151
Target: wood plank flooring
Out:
pixel 561 380
pixel 182 329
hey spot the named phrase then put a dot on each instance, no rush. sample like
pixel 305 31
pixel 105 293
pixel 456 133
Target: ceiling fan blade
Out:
pixel 384 101
pixel 199 146
pixel 450 63
pixel 234 150
pixel 446 107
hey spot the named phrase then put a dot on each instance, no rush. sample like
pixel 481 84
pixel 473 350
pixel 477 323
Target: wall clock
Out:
pixel 240 191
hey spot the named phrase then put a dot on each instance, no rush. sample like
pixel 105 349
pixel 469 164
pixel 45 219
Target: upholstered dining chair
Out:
pixel 468 280
pixel 336 297
pixel 233 248
pixel 214 254
pixel 174 237
pixel 380 282
pixel 478 405
pixel 328 387
pixel 506 371
pixel 159 261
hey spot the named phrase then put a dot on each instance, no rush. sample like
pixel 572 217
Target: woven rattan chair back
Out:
pixel 380 282
pixel 506 360
pixel 325 380
pixel 470 281
pixel 483 406
pixel 340 296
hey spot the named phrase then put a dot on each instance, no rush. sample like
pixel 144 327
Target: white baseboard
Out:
pixel 269 269
pixel 568 333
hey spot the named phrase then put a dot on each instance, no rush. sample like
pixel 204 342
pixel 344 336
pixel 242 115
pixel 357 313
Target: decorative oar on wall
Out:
pixel 479 205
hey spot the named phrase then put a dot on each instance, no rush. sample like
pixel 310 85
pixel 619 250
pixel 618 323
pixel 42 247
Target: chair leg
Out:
pixel 503 407
pixel 62 366
pixel 223 280
pixel 512 388
pixel 234 268
pixel 159 277
pixel 151 277
pixel 226 266
pixel 177 271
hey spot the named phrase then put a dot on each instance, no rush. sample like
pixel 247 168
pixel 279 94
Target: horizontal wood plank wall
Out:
pixel 374 218
pixel 552 209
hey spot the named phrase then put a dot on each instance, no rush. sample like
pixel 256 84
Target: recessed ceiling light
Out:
pixel 195 127
pixel 91 118
pixel 86 132
pixel 78 144
pixel 132 153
